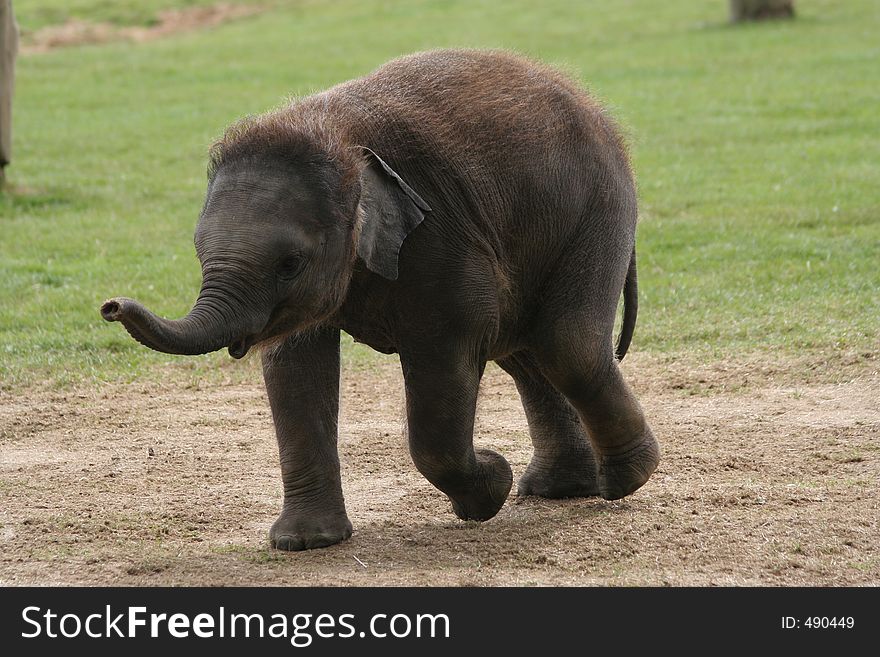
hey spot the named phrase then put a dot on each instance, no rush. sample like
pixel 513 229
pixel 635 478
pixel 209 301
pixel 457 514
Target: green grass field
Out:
pixel 757 150
pixel 36 14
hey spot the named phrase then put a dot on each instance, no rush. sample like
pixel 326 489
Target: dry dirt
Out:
pixel 77 32
pixel 770 476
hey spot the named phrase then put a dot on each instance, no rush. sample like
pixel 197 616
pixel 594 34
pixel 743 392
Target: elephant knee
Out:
pixel 439 468
pixel 580 381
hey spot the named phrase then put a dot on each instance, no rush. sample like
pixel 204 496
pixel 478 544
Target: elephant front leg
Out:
pixel 302 381
pixel 441 399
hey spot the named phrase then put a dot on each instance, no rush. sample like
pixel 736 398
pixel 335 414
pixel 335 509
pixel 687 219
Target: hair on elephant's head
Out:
pixel 289 208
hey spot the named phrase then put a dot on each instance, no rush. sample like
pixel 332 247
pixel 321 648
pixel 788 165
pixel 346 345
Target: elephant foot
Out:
pixel 489 491
pixel 300 531
pixel 568 475
pixel 622 473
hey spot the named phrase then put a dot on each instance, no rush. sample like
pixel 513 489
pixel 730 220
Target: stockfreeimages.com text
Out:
pixel 300 629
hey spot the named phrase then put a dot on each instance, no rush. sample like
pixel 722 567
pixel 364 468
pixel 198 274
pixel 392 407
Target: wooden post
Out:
pixel 8 50
pixel 755 10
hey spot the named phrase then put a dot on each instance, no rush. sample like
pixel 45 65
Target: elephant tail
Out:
pixel 630 308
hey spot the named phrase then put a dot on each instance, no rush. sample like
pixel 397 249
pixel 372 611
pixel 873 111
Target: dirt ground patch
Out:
pixel 770 476
pixel 77 32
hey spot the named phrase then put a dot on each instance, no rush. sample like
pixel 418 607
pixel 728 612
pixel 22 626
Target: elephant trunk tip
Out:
pixel 111 310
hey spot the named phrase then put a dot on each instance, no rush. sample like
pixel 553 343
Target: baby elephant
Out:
pixel 454 207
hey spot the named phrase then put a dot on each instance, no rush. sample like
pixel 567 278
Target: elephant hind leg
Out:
pixel 580 364
pixel 562 464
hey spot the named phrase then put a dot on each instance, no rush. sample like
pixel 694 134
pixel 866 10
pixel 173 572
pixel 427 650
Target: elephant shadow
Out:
pixel 525 531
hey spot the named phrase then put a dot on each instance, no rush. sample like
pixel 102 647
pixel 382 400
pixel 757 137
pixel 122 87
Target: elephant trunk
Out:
pixel 203 330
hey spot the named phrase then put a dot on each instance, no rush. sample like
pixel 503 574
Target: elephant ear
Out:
pixel 391 210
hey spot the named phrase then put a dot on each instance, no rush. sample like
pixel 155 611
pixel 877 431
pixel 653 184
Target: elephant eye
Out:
pixel 289 266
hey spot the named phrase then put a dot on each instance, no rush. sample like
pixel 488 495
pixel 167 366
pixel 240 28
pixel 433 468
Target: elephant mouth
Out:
pixel 239 348
pixel 277 325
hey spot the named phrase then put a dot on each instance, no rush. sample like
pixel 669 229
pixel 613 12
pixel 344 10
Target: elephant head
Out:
pixel 277 238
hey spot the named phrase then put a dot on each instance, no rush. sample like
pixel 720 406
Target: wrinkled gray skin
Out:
pixel 511 240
